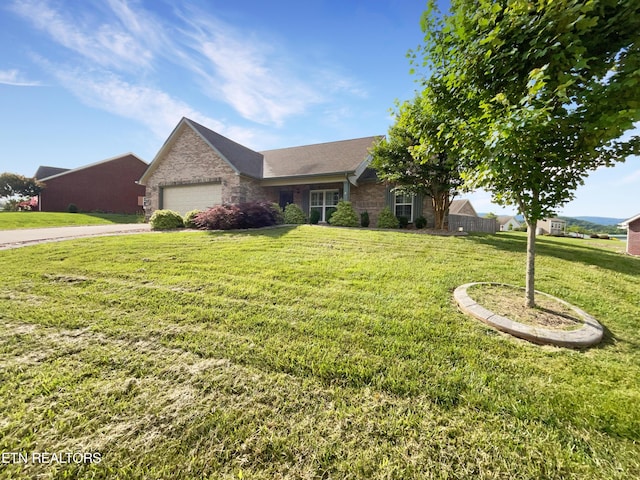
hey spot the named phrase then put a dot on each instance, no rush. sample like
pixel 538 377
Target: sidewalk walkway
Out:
pixel 31 236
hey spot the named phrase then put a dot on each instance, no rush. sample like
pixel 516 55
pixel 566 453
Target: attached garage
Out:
pixel 184 198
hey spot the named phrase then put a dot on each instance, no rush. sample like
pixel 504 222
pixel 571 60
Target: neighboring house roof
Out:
pixel 344 156
pixel 630 220
pixel 462 207
pixel 504 219
pixel 67 171
pixel 44 172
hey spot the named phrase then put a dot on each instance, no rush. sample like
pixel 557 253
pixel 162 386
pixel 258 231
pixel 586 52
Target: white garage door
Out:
pixel 184 198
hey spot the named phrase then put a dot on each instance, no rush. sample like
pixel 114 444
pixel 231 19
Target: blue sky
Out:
pixel 82 81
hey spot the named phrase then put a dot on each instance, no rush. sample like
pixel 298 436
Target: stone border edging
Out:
pixel 589 334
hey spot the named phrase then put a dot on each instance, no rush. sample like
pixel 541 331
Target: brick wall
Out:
pixel 633 238
pixel 191 160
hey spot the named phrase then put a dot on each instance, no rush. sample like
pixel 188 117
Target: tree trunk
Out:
pixel 440 207
pixel 531 267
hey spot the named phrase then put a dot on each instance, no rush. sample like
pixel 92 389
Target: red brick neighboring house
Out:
pixel 107 186
pixel 633 234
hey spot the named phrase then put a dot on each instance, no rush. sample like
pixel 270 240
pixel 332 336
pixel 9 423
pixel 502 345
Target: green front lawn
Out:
pixel 13 220
pixel 310 352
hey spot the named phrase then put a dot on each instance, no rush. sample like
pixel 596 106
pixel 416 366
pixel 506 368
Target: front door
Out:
pixel 286 197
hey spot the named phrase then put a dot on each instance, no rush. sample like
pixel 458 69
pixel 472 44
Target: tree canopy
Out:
pixel 413 157
pixel 534 95
pixel 14 185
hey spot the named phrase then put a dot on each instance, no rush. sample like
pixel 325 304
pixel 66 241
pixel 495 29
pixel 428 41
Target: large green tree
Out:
pixel 414 157
pixel 535 95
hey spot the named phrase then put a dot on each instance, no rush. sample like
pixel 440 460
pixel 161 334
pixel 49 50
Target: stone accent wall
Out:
pixel 369 197
pixel 633 238
pixel 191 160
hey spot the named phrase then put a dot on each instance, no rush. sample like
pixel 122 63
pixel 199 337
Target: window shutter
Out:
pixel 418 201
pixel 389 197
pixel 306 194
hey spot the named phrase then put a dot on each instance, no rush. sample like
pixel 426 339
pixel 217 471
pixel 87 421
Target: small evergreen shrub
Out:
pixel 166 220
pixel 189 218
pixel 72 208
pixel 294 214
pixel 314 217
pixel 344 216
pixel 277 213
pixel 239 216
pixel 420 222
pixel 387 219
pixel 403 221
pixel 364 219
pixel 329 213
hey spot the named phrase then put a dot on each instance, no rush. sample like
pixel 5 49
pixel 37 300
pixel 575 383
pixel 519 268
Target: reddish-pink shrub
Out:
pixel 239 216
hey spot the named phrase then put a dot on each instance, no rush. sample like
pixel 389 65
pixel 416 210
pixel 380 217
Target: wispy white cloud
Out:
pixel 15 78
pixel 115 45
pixel 150 106
pixel 108 44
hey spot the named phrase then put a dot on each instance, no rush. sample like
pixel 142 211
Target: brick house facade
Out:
pixel 107 186
pixel 197 168
pixel 633 234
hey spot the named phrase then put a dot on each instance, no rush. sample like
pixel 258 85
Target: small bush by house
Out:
pixel 387 219
pixel 166 220
pixel 72 208
pixel 314 217
pixel 294 214
pixel 344 216
pixel 189 218
pixel 364 219
pixel 420 222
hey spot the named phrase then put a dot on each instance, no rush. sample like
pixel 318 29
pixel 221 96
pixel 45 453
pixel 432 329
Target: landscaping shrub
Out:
pixel 166 220
pixel 72 208
pixel 387 219
pixel 189 218
pixel 344 216
pixel 314 217
pixel 294 214
pixel 239 216
pixel 403 221
pixel 420 222
pixel 278 214
pixel 364 219
pixel 329 213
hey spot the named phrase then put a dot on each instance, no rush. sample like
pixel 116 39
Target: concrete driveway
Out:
pixel 31 236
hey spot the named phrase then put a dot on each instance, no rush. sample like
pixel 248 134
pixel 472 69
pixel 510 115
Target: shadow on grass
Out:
pixel 574 253
pixel 117 217
pixel 275 231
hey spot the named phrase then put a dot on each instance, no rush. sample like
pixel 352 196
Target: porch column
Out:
pixel 346 190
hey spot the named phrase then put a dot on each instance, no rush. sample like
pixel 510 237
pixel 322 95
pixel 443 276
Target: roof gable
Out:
pixel 630 220
pixel 462 207
pixel 242 159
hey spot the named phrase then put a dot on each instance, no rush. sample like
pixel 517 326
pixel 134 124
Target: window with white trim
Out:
pixel 403 205
pixel 324 202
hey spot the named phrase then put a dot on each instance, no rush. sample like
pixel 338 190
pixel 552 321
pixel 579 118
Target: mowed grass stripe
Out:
pixel 310 352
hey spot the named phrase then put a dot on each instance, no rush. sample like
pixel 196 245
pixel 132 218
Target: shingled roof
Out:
pixel 243 159
pixel 322 158
pixel 44 172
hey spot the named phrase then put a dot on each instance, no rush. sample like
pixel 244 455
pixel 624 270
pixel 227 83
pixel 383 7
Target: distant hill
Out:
pixel 592 227
pixel 602 220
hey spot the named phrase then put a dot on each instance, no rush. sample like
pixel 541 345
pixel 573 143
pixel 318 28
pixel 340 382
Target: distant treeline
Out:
pixel 583 226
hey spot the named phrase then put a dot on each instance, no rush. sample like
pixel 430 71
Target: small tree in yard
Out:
pixel 534 95
pixel 415 156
